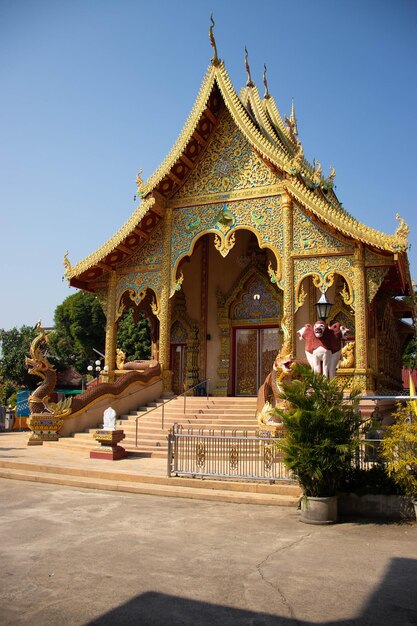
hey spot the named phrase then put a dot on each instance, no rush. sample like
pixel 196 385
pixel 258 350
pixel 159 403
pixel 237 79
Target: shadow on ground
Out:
pixel 393 602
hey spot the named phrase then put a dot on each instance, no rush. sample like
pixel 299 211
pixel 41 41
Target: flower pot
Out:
pixel 319 510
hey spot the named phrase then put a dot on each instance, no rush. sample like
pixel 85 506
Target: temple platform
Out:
pixel 134 474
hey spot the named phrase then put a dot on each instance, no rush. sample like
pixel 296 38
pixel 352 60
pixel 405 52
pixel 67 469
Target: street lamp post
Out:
pixel 96 368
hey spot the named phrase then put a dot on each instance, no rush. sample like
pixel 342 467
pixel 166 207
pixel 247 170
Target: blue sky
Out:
pixel 93 90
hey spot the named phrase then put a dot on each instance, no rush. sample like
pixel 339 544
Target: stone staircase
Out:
pixel 153 427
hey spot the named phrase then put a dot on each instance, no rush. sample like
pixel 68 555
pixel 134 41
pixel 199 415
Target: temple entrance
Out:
pixel 255 348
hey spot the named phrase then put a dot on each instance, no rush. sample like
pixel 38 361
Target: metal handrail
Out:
pixel 163 403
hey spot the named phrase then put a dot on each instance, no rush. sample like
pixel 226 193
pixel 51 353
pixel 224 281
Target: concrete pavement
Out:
pixel 77 557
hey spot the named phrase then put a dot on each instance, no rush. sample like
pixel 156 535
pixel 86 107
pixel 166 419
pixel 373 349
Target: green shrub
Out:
pixel 399 449
pixel 321 429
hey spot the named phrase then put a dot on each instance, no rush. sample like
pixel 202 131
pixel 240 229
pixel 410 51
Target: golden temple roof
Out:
pixel 277 142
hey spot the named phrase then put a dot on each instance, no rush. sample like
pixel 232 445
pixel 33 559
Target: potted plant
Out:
pixel 321 435
pixel 399 450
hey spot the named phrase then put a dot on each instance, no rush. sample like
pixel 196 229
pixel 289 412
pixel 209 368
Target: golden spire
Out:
pixel 266 94
pixel 291 123
pixel 292 116
pixel 215 59
pixel 249 82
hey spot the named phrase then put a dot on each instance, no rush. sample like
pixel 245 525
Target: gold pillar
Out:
pixel 361 318
pixel 288 273
pixel 110 349
pixel 165 309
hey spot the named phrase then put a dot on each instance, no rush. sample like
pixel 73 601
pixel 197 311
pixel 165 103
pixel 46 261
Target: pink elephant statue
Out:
pixel 323 346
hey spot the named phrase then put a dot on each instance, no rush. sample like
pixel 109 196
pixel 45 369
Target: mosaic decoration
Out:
pixel 229 164
pixel 260 215
pixel 151 251
pixel 255 298
pixel 309 236
pixel 178 333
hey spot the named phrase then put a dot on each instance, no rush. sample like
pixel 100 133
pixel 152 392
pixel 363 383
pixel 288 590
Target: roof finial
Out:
pixel 292 116
pixel 266 94
pixel 249 82
pixel 215 59
pixel 291 123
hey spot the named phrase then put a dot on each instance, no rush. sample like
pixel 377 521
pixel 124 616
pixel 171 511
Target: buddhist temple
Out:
pixel 234 239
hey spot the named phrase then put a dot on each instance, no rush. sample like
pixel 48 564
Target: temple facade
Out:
pixel 235 238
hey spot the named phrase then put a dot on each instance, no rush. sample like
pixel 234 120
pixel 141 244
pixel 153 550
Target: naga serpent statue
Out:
pixel 45 416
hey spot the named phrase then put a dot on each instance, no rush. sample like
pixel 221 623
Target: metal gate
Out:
pixel 225 454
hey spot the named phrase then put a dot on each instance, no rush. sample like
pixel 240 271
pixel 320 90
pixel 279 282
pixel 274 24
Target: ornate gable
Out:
pixel 229 164
pixel 310 236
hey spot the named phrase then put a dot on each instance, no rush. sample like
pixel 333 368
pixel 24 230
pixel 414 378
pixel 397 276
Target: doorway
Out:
pixel 255 349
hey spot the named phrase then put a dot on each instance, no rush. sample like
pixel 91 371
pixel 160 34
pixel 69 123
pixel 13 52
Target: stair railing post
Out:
pixel 163 415
pixel 185 395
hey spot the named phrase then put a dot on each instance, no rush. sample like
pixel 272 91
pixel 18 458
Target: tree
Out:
pixel 134 339
pixel 79 327
pixel 15 344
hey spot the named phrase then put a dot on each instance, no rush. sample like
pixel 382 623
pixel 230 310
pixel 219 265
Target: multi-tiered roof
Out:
pixel 275 140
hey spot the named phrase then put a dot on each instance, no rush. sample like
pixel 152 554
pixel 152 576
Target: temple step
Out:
pixel 120 480
pixel 213 414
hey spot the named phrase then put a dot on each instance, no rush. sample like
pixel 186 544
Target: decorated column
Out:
pixel 165 309
pixel 361 318
pixel 110 349
pixel 288 274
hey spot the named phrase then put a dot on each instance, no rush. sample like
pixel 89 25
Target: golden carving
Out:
pixel 402 229
pixel 291 123
pixel 155 308
pixel 165 311
pixel 288 275
pixel 200 454
pixel 274 275
pixel 268 456
pixel 110 346
pixel 329 182
pixel 298 159
pixel 234 457
pixel 317 173
pixel 67 265
pixel 374 279
pixel 347 359
pixel 347 295
pixel 215 60
pixel 300 298
pixel 266 94
pixel 323 271
pixel 323 282
pixel 224 244
pixel 361 309
pixel 177 284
